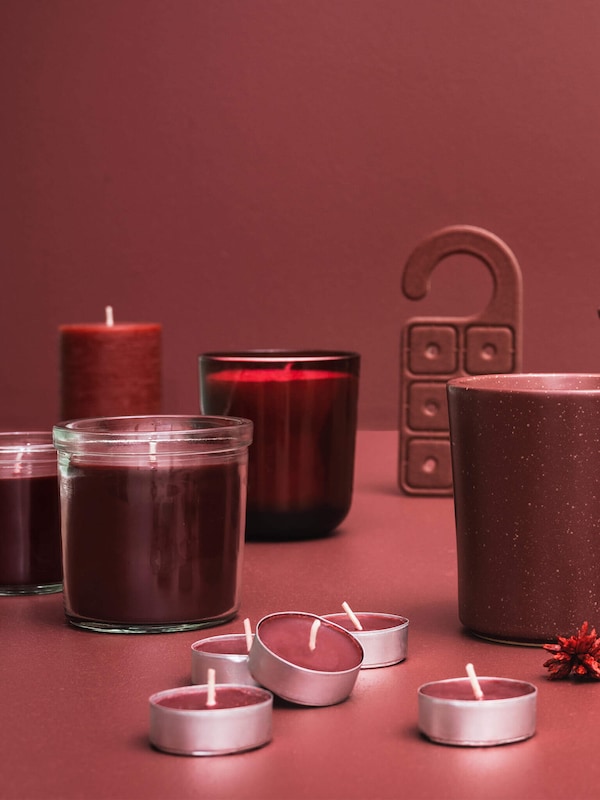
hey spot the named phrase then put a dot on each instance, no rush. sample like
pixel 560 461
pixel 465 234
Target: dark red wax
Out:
pixel 30 550
pixel 110 370
pixel 152 546
pixel 234 645
pixel 288 636
pixel 492 688
pixel 226 697
pixel 302 458
pixel 369 621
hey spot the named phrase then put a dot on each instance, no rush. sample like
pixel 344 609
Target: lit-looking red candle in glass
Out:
pixel 304 406
pixel 109 369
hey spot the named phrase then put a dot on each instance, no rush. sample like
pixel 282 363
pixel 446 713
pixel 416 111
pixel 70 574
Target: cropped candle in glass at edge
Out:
pixel 152 520
pixel 304 408
pixel 30 551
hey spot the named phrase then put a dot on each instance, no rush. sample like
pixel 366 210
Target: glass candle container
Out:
pixel 30 552
pixel 304 408
pixel 152 520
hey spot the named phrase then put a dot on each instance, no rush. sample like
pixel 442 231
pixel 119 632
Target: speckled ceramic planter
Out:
pixel 526 469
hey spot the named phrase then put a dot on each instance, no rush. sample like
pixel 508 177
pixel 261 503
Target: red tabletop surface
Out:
pixel 74 704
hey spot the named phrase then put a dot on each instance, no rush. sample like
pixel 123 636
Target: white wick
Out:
pixel 152 457
pixel 211 692
pixel 248 632
pixel 353 618
pixel 108 312
pixel 19 462
pixel 312 641
pixel 477 691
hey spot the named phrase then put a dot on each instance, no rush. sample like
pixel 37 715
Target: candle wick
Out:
pixel 19 462
pixel 211 692
pixel 152 457
pixel 248 632
pixel 353 618
pixel 475 685
pixel 110 320
pixel 312 641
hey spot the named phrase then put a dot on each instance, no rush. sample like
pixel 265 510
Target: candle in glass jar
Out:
pixel 153 511
pixel 304 406
pixel 30 547
pixel 109 369
pixel 304 658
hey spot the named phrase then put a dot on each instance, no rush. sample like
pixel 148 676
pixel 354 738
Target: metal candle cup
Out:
pixel 449 713
pixel 227 655
pixel 182 723
pixel 282 660
pixel 384 637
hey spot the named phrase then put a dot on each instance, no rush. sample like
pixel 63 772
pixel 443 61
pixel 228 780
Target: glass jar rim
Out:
pixel 34 442
pixel 171 431
pixel 273 356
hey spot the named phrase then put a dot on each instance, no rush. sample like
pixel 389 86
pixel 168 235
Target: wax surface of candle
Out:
pixel 493 689
pixel 110 370
pixel 225 698
pixel 152 545
pixel 288 637
pixel 226 645
pixel 30 548
pixel 302 459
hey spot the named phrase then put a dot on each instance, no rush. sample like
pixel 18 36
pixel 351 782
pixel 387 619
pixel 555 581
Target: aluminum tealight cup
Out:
pixel 284 670
pixel 180 722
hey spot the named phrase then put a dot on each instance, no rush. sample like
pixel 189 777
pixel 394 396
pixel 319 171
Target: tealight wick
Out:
pixel 211 692
pixel 477 691
pixel 108 312
pixel 152 444
pixel 353 618
pixel 248 632
pixel 312 641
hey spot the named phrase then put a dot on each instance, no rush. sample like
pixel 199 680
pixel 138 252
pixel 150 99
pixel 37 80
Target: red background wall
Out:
pixel 254 173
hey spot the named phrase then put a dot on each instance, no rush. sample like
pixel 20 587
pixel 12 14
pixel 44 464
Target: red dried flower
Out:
pixel 579 654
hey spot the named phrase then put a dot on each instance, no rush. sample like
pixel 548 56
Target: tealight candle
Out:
pixel 209 720
pixel 304 658
pixel 384 637
pixel 227 654
pixel 487 712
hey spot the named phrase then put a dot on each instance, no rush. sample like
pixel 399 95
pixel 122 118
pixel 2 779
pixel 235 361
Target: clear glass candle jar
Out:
pixel 30 552
pixel 152 520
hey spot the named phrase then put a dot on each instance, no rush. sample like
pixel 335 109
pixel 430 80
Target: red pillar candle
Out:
pixel 110 369
pixel 152 520
pixel 304 409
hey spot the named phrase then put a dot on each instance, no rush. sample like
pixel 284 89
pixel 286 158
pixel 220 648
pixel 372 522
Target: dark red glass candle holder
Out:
pixel 304 408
